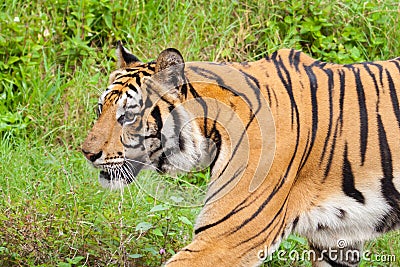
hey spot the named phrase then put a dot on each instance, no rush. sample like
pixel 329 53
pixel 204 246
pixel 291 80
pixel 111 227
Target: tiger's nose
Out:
pixel 92 156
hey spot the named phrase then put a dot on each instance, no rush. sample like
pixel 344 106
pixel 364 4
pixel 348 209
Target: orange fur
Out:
pixel 331 127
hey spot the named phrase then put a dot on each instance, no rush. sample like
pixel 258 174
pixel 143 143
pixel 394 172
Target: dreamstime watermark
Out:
pixel 341 253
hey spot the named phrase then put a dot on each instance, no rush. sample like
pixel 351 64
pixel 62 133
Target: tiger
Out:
pixel 308 147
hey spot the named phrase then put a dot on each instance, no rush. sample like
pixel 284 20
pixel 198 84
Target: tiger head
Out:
pixel 140 124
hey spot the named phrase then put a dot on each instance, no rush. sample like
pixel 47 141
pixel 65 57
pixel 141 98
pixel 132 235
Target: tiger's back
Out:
pixel 347 119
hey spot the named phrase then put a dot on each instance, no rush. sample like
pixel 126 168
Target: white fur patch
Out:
pixel 326 225
pixel 118 184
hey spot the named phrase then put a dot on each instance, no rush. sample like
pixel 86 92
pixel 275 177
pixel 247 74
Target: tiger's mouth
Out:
pixel 118 176
pixel 105 175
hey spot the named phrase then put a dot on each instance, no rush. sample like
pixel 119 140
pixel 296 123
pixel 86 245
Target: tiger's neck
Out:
pixel 251 179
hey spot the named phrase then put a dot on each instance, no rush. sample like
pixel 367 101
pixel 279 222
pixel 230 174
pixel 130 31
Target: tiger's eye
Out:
pixel 129 115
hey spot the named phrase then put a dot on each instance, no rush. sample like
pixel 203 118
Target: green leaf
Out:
pixel 13 59
pixel 158 208
pixel 143 226
pixel 157 232
pixel 355 53
pixel 176 199
pixel 75 260
pixel 297 239
pixel 108 19
pixel 135 256
pixel 185 220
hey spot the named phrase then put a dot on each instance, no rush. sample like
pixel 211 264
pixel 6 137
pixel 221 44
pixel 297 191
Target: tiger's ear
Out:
pixel 170 70
pixel 168 58
pixel 124 56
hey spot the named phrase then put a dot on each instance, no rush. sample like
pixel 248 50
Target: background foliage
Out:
pixel 55 58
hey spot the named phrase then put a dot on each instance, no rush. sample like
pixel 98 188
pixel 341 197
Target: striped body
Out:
pixel 334 173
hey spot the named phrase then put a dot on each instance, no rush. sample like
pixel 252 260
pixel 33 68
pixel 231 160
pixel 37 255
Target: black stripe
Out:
pixel 216 137
pixel 348 185
pixel 287 83
pixel 156 114
pixel 332 152
pixel 282 225
pixel 267 228
pixel 182 142
pixel 148 104
pixel 314 109
pixel 204 106
pixel 276 99
pixel 386 155
pixel 209 74
pixel 131 69
pixel 132 106
pixel 363 115
pixel 121 120
pixel 305 151
pixel 295 222
pixel 373 77
pixel 342 79
pixel 138 80
pixel 138 145
pixel 116 93
pixel 267 88
pixel 253 79
pixel 135 73
pixel 132 87
pixel 294 59
pixel 389 191
pixel 155 150
pixel 177 123
pixel 339 122
pixel 184 89
pixel 190 250
pixel 239 171
pixel 127 75
pixel 220 81
pixel 238 208
pixel 151 66
pixel 255 214
pixel 393 97
pixel 329 73
pixel 380 68
pixel 118 83
pixel 396 63
pixel 291 59
pixel 161 161
pixel 314 103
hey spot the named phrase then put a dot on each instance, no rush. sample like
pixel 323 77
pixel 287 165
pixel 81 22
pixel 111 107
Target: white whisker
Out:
pixel 143 163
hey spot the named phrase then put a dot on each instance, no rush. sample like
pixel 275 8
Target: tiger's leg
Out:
pixel 214 252
pixel 343 256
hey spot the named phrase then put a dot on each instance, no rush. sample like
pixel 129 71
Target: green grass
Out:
pixel 55 61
